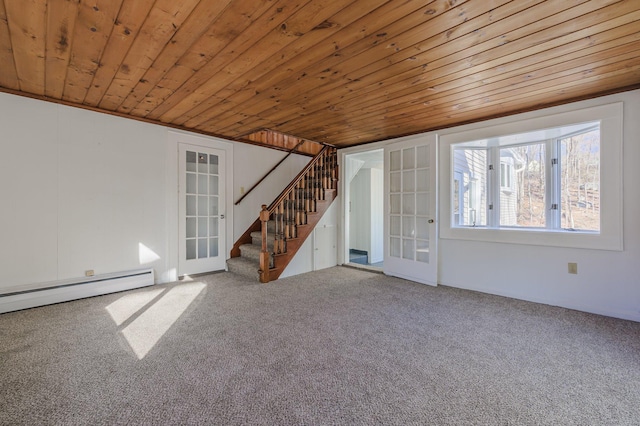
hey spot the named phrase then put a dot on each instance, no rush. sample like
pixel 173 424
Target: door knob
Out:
pixel 221 216
pixel 430 220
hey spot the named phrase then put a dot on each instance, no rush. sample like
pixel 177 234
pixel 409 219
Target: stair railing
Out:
pixel 255 185
pixel 290 209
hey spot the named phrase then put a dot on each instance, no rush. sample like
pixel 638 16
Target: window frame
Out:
pixel 610 236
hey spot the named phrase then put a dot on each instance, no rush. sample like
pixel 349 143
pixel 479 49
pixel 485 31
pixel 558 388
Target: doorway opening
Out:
pixel 364 235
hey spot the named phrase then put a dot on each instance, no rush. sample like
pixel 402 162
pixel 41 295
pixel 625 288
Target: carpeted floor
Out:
pixel 339 346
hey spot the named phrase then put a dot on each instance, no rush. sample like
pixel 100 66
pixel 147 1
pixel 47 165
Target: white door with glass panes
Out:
pixel 410 210
pixel 201 209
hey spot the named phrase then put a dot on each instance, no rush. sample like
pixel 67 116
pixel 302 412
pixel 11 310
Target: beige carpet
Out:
pixel 339 346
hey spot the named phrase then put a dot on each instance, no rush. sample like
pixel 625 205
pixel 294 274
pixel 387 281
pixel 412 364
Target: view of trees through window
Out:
pixel 578 183
pixel 529 196
pixel 580 176
pixel 547 179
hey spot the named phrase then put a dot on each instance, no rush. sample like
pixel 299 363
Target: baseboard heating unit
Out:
pixel 24 297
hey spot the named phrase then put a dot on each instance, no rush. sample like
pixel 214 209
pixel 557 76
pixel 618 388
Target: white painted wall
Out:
pixel 111 193
pixel 377 216
pixel 303 261
pixel 607 283
pixel 366 215
pixel 252 163
pixel 83 190
pixel 360 211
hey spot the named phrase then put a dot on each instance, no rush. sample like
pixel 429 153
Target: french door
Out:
pixel 410 206
pixel 201 205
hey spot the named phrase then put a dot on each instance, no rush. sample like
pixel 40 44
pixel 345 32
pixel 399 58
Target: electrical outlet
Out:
pixel 573 268
pixel 89 273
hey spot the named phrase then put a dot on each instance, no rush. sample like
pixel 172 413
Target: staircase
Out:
pixel 270 243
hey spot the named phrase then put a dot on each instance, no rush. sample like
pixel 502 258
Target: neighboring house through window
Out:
pixel 541 179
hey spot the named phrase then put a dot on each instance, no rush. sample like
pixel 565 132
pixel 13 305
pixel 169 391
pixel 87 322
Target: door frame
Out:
pixel 343 249
pixel 398 266
pixel 172 197
pixel 344 239
pixel 345 190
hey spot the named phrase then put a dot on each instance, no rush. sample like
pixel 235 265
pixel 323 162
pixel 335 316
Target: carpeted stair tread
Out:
pixel 256 238
pixel 251 251
pixel 243 266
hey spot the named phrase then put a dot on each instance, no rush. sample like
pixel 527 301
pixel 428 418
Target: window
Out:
pixel 470 180
pixel 553 180
pixel 579 202
pixel 547 179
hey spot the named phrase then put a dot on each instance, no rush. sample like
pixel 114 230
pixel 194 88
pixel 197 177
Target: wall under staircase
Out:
pixel 271 242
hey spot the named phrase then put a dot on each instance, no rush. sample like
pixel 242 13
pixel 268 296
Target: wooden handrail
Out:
pixel 289 219
pixel 297 179
pixel 268 173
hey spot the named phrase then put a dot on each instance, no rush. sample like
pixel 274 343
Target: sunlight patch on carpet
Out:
pixel 126 306
pixel 146 330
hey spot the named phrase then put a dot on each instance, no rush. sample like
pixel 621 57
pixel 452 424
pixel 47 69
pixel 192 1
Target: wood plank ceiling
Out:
pixel 335 71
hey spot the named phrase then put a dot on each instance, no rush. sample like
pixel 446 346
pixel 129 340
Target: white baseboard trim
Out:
pixel 64 291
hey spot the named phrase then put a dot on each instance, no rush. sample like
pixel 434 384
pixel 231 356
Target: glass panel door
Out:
pixel 201 220
pixel 410 203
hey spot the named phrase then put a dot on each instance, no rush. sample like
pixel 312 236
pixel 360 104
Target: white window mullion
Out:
pixel 554 179
pixel 585 183
pixel 493 188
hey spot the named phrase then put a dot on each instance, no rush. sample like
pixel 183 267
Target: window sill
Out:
pixel 540 237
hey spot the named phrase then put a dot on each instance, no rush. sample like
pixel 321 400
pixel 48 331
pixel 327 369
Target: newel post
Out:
pixel 264 253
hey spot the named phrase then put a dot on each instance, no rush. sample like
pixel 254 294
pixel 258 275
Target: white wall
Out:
pixel 80 191
pixel 252 163
pixel 83 190
pixel 360 211
pixel 305 258
pixel 366 215
pixel 377 216
pixel 111 193
pixel 608 282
